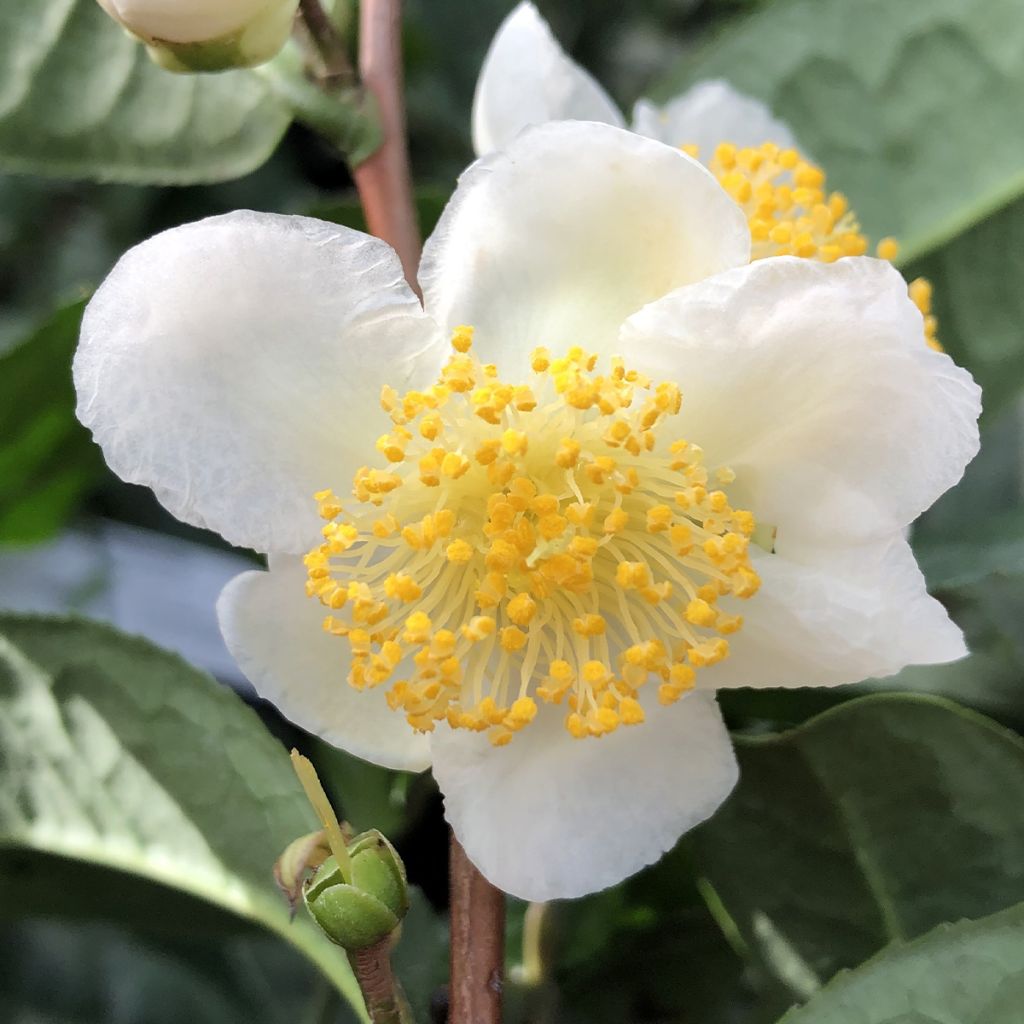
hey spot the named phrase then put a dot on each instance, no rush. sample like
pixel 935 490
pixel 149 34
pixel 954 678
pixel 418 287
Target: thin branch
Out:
pixel 329 44
pixel 478 944
pixel 383 180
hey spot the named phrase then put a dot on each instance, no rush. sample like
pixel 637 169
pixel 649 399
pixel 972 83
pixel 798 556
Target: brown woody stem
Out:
pixel 478 944
pixel 385 1002
pixel 383 180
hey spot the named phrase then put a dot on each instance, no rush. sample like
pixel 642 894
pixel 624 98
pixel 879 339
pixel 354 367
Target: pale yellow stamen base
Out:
pixel 537 542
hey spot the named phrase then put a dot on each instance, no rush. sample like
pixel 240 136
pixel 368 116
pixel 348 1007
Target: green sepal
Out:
pixel 367 909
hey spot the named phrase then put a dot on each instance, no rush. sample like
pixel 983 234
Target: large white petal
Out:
pixel 548 816
pixel 709 113
pixel 814 383
pixel 827 616
pixel 274 632
pixel 558 238
pixel 234 366
pixel 528 79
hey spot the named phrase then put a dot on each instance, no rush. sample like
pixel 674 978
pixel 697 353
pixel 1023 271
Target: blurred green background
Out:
pixel 913 110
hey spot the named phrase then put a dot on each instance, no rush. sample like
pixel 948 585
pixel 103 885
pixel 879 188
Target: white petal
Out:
pixel 527 79
pixel 814 383
pixel 709 113
pixel 825 616
pixel 274 632
pixel 558 238
pixel 548 816
pixel 234 366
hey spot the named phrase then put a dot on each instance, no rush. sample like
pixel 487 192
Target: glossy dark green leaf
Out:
pixel 873 822
pixel 966 973
pixel 48 462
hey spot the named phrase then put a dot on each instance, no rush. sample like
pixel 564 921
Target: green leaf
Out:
pixel 966 973
pixel 980 304
pixel 47 459
pixel 120 755
pixel 873 822
pixel 56 972
pixel 647 950
pixel 888 98
pixel 80 98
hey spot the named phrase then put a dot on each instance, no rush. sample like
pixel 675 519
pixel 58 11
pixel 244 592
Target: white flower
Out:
pixel 540 556
pixel 527 79
pixel 207 34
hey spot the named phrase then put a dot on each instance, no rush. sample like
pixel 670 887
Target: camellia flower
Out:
pixel 528 79
pixel 522 533
pixel 203 35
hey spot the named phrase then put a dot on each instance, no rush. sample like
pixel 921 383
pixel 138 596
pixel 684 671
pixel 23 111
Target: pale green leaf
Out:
pixel 120 755
pixel 80 98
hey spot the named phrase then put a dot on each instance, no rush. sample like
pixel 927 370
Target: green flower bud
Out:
pixel 367 909
pixel 203 35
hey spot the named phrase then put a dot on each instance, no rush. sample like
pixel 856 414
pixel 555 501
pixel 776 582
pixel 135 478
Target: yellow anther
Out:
pixel 462 338
pixel 568 453
pixel 521 609
pixel 540 360
pixel 632 575
pixel 430 470
pixel 888 249
pixel 616 521
pixel 630 711
pixel 709 652
pixel 602 721
pixel 502 556
pixel 514 442
pixel 659 518
pixel 402 587
pixel 576 726
pixel 431 426
pixel 487 451
pixel 459 551
pixel 512 638
pixel 417 628
pixel 454 465
pixel 583 547
pixel 479 627
pixel 725 154
pixel 700 613
pixel 522 712
pixel 589 625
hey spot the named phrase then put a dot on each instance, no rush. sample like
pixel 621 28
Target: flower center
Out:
pixel 791 213
pixel 532 542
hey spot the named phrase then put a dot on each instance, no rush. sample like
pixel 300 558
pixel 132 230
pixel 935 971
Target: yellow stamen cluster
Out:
pixel 791 212
pixel 532 543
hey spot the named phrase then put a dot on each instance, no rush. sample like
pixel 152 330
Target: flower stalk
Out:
pixel 382 992
pixel 382 179
pixel 477 943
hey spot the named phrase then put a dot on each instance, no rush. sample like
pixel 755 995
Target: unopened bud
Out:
pixel 207 35
pixel 367 909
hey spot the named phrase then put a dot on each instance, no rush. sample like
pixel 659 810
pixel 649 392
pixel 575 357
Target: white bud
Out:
pixel 207 35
